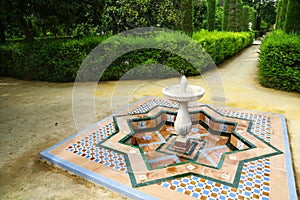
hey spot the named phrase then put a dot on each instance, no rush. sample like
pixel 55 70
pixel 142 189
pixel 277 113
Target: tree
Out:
pixel 268 14
pixel 122 15
pixel 237 20
pixel 20 11
pixel 245 18
pixel 278 15
pixel 292 23
pixel 3 18
pixel 57 16
pixel 187 9
pixel 281 13
pixel 232 15
pixel 211 11
pixel 200 14
pixel 226 15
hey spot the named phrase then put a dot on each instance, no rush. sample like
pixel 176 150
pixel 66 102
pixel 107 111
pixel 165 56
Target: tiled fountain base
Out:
pixel 234 154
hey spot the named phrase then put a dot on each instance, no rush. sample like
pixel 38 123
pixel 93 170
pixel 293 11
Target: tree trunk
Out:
pixel 23 23
pixel 211 11
pixel 291 24
pixel 187 13
pixel 226 15
pixel 25 27
pixel 2 35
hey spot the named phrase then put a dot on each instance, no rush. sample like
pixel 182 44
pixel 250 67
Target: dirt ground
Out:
pixel 37 115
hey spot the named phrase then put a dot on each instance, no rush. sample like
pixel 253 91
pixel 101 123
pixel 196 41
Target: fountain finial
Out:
pixel 183 83
pixel 182 72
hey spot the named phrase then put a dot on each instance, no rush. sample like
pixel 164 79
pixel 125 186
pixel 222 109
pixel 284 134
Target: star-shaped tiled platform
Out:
pixel 234 153
pixel 242 146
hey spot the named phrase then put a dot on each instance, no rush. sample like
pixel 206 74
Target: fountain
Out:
pixel 183 94
pixel 155 149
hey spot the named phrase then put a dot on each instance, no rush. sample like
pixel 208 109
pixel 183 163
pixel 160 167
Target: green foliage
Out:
pixel 268 15
pixel 253 14
pixel 47 17
pixel 211 11
pixel 223 45
pixel 245 18
pixel 236 16
pixel 226 15
pixel 279 65
pixel 292 17
pixel 281 13
pixel 200 14
pixel 46 60
pixel 59 60
pixel 187 9
pixel 123 15
pixel 232 15
pixel 278 13
pixel 219 17
pixel 139 64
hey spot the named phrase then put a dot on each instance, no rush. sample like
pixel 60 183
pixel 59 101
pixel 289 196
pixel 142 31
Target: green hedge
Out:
pixel 49 60
pixel 279 65
pixel 60 60
pixel 223 45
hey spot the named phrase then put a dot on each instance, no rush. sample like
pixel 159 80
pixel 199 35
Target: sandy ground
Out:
pixel 37 115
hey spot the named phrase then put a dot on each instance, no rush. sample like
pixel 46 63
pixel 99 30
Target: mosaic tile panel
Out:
pixel 86 147
pixel 261 124
pixel 254 184
pixel 253 179
pixel 147 106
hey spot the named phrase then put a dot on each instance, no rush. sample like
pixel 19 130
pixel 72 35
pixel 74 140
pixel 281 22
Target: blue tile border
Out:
pixel 289 163
pixel 96 178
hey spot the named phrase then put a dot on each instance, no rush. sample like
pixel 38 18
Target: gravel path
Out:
pixel 37 115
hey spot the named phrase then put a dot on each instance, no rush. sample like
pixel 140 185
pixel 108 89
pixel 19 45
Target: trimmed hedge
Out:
pixel 60 60
pixel 49 60
pixel 223 45
pixel 279 65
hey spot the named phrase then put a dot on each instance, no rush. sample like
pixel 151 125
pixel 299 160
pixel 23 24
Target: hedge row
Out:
pixel 129 55
pixel 49 60
pixel 223 45
pixel 279 65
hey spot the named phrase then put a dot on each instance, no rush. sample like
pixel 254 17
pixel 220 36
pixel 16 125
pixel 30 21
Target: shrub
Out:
pixel 223 45
pixel 47 60
pixel 58 60
pixel 279 65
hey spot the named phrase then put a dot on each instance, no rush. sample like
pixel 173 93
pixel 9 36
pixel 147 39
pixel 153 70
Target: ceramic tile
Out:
pixel 229 159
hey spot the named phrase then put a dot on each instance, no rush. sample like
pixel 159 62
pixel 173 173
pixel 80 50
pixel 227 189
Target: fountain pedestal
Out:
pixel 182 144
pixel 183 93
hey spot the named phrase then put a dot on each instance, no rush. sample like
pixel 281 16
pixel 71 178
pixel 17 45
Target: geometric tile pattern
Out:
pixel 253 183
pixel 201 188
pixel 147 106
pixel 255 177
pixel 261 126
pixel 86 147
